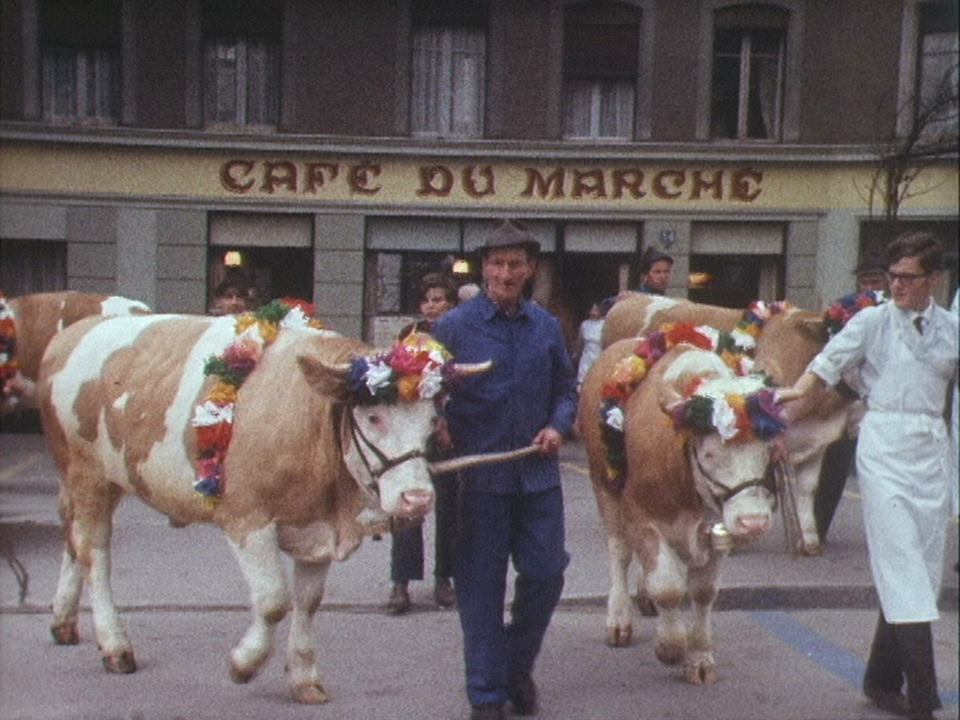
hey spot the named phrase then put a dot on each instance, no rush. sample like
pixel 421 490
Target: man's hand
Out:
pixel 549 441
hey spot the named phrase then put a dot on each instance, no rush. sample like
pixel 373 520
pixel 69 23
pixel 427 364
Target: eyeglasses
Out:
pixel 905 278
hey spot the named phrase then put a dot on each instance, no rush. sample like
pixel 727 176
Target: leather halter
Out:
pixel 386 464
pixel 718 499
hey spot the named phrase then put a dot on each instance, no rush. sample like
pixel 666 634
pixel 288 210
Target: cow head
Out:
pixel 388 412
pixel 732 422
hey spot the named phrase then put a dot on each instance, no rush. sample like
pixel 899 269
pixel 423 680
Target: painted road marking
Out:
pixel 842 663
pixel 19 467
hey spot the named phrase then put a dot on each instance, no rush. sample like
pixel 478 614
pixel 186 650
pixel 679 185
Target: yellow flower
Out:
pixel 408 387
pixel 223 393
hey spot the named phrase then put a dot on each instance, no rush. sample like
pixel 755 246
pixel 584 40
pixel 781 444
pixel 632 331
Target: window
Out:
pixel 241 49
pixel 600 58
pixel 448 67
pixel 80 61
pixel 937 73
pixel 748 72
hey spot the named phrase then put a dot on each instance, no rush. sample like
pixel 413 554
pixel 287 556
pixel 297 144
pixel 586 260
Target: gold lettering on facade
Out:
pixel 435 180
pixel 361 176
pixel 244 176
pixel 318 173
pixel 701 182
pixel 283 174
pixel 231 173
pixel 746 185
pixel 544 187
pixel 470 182
pixel 589 182
pixel 676 178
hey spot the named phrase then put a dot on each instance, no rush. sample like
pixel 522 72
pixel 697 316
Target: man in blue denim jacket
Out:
pixel 510 510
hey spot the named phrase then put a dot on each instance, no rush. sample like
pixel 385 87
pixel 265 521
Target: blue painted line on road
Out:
pixel 842 663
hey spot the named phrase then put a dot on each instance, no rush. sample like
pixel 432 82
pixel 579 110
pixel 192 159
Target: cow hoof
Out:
pixel 241 676
pixel 65 633
pixel 811 549
pixel 670 654
pixel 120 663
pixel 619 636
pixel 701 674
pixel 311 694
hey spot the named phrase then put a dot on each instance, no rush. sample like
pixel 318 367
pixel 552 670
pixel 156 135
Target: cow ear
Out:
pixel 669 397
pixel 813 326
pixel 326 379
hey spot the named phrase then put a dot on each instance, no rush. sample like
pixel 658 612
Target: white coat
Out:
pixel 904 465
pixel 591 332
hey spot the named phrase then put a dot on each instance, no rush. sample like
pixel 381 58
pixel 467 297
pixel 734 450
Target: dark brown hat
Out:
pixel 510 234
pixel 869 265
pixel 650 256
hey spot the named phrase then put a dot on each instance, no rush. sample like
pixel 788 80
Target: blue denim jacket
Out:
pixel 531 385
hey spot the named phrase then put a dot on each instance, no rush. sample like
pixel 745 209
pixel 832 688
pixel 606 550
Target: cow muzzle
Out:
pixel 415 503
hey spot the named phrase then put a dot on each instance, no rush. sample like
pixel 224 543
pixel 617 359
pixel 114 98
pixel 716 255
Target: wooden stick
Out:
pixel 459 463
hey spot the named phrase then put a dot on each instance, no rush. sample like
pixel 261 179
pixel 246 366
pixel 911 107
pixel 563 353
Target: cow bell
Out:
pixel 720 538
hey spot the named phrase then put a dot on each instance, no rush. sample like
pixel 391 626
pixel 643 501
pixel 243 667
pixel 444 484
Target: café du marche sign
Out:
pixel 372 181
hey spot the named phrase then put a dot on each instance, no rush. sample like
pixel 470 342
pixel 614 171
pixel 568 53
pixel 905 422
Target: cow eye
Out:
pixel 373 419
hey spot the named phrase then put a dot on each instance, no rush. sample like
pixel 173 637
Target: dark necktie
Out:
pixel 918 323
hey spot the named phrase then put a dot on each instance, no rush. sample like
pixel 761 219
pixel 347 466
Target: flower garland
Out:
pixel 213 417
pixel 735 348
pixel 8 345
pixel 734 416
pixel 415 368
pixel 840 312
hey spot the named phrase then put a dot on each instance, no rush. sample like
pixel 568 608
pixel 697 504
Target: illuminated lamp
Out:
pixel 699 280
pixel 461 267
pixel 232 258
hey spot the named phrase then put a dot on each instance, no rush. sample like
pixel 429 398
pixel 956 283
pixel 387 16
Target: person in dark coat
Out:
pixel 655 267
pixel 511 511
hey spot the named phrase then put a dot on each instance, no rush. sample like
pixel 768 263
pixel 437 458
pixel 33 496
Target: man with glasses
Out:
pixel 905 353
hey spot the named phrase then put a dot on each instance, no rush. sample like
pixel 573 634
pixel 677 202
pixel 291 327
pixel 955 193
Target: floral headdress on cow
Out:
pixel 213 417
pixel 415 368
pixel 840 312
pixel 733 417
pixel 8 345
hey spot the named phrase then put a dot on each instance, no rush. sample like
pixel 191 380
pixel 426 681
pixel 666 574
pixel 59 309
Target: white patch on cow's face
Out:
pixel 395 431
pixel 720 469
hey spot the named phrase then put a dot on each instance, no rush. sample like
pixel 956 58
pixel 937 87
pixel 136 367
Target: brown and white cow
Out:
pixel 677 487
pixel 308 471
pixel 36 319
pixel 788 342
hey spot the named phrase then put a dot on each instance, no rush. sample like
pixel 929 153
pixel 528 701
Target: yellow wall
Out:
pixel 302 178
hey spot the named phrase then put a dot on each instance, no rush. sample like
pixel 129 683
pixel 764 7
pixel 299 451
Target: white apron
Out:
pixel 903 458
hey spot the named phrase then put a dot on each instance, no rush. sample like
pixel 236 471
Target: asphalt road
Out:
pixel 792 634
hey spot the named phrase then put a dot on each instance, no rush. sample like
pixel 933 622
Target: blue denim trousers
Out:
pixel 527 528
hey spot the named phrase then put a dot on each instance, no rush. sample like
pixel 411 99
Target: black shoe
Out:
pixel 892 702
pixel 443 593
pixel 523 694
pixel 399 602
pixel 488 711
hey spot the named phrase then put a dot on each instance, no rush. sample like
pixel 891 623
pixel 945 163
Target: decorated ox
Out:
pixel 28 322
pixel 696 478
pixel 303 444
pixel 786 339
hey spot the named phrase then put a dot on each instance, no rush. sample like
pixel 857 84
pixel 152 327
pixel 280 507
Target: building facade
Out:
pixel 338 151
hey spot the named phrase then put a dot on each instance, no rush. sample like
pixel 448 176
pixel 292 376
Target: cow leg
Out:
pixel 807 477
pixel 88 515
pixel 259 558
pixel 665 583
pixel 66 602
pixel 619 609
pixel 699 666
pixel 302 672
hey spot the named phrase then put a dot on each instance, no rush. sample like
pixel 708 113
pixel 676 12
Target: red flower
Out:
pixel 214 436
pixel 687 332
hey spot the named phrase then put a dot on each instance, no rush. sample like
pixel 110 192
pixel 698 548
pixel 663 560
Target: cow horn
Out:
pixel 669 397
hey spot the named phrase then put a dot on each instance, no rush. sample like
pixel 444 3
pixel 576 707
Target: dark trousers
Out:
pixel 406 550
pixel 495 528
pixel 837 461
pixel 904 652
